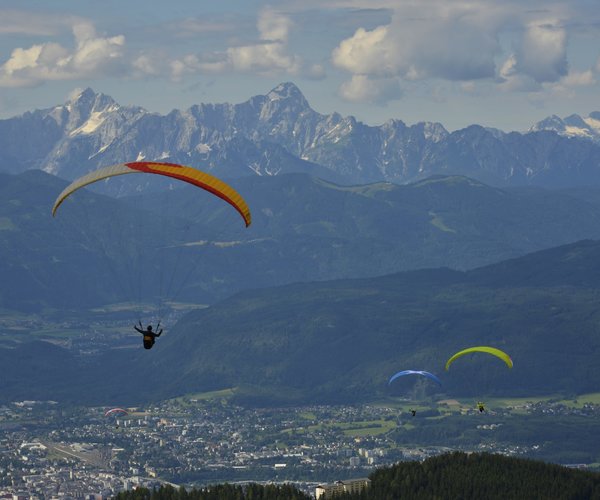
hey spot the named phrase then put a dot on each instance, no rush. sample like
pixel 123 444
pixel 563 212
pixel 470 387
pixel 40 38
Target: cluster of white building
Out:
pixel 348 486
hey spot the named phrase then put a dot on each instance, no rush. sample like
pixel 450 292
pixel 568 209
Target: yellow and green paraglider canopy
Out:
pixel 490 350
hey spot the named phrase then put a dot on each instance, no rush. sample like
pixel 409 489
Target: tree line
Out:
pixel 226 491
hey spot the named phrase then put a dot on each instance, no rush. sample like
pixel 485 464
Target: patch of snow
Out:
pixel 92 123
pixel 225 244
pixel 140 156
pixel 595 124
pixel 56 115
pixel 436 133
pixel 193 244
pixel 163 155
pixel 577 132
pixel 255 167
pixel 272 172
pixel 203 148
pixel 101 150
pixel 337 126
pixel 51 168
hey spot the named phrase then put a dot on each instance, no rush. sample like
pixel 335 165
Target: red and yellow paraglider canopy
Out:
pixel 186 174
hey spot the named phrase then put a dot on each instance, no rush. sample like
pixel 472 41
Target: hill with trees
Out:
pixel 478 475
pixel 188 245
pixel 339 341
pixel 218 492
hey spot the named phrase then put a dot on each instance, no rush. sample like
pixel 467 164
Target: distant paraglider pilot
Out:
pixel 481 407
pixel 149 335
pixel 414 412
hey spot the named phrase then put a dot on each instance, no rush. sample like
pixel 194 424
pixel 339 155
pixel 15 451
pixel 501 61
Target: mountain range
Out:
pixel 280 133
pixel 186 244
pixel 344 275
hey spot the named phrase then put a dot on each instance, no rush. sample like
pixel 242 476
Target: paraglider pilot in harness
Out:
pixel 481 407
pixel 148 334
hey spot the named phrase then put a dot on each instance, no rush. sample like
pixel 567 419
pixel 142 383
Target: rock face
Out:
pixel 572 126
pixel 280 133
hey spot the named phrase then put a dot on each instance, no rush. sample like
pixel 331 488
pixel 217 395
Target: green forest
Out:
pixel 478 475
pixel 218 492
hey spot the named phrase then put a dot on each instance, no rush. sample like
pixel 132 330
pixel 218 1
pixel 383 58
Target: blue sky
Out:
pixel 500 63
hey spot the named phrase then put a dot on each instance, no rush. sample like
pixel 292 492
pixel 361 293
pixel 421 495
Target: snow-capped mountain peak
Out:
pixel 572 126
pixel 279 132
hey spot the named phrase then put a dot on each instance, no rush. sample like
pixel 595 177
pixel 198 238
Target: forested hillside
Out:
pixel 184 244
pixel 479 475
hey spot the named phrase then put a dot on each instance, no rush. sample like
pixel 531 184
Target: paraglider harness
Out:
pixel 481 407
pixel 149 335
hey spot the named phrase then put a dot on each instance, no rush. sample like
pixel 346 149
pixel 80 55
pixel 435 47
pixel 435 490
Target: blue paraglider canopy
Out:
pixel 415 372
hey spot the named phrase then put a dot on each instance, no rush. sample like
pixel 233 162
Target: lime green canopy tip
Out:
pixel 490 350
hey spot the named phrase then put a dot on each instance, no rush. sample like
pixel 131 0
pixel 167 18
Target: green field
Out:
pixel 571 402
pixel 353 429
pixel 191 399
pixel 369 428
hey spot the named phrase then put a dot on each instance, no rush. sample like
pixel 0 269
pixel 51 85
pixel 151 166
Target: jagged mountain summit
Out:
pixel 572 126
pixel 280 133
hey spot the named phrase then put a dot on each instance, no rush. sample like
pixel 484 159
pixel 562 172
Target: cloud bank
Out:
pixel 464 45
pixel 508 44
pixel 91 56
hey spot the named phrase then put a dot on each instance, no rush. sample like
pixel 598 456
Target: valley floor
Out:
pixel 205 438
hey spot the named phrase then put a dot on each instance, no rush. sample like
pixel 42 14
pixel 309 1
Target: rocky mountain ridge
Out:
pixel 280 133
pixel 572 126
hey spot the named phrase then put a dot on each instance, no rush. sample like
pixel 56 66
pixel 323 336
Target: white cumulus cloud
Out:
pixel 361 88
pixel 455 41
pixel 273 25
pixel 510 80
pixel 270 54
pixel 517 45
pixel 579 78
pixel 92 55
pixel 542 53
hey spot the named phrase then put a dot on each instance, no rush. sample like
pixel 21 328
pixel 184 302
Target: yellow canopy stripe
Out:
pixel 490 350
